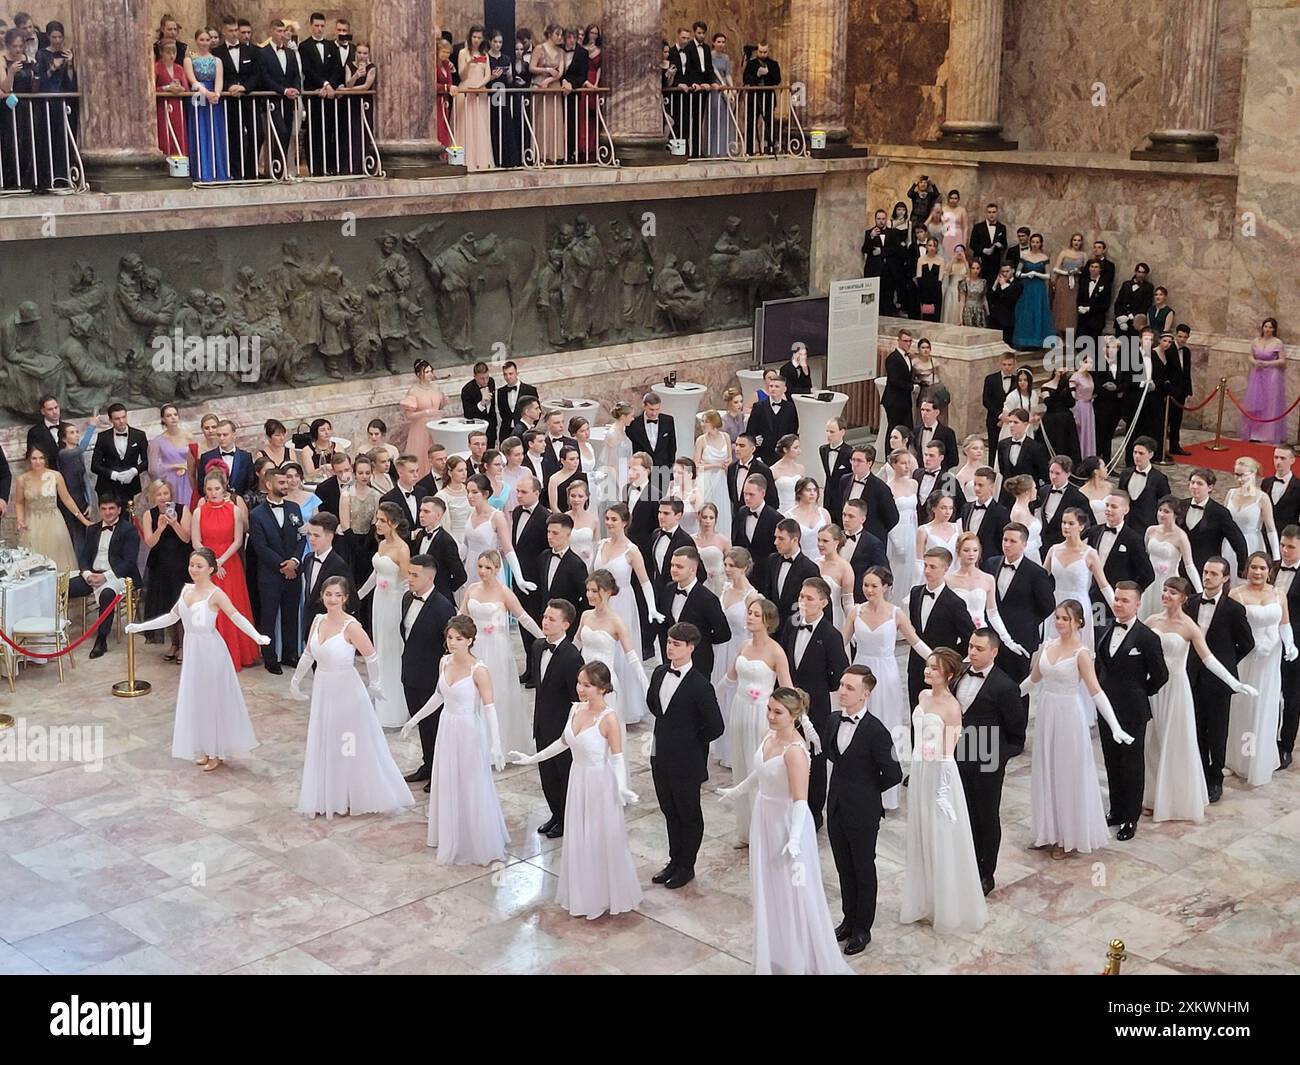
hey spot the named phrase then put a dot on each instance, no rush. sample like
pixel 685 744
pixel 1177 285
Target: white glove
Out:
pixel 305 661
pixel 1217 668
pixel 799 813
pixel 249 629
pixel 1026 685
pixel 626 795
pixel 1108 593
pixel 432 706
pixel 373 681
pixel 519 758
pixel 922 648
pixel 634 662
pixel 651 603
pixel 1288 643
pixel 1102 703
pixel 813 737
pixel 368 587
pixel 996 623
pixel 944 799
pixel 530 626
pixel 494 737
pixel 516 571
pixel 161 622
pixel 746 785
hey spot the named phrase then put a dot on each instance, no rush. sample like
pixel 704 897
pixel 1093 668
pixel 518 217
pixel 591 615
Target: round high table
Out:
pixel 750 382
pixel 682 403
pixel 453 433
pixel 814 413
pixel 570 408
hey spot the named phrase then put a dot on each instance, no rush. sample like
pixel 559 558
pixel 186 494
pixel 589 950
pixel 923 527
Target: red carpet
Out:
pixel 1225 460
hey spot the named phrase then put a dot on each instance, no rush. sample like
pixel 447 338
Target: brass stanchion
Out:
pixel 130 688
pixel 1114 957
pixel 1164 459
pixel 1218 444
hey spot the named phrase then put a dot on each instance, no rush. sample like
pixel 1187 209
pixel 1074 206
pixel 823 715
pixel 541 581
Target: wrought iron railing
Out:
pixel 38 145
pixel 733 122
pixel 498 128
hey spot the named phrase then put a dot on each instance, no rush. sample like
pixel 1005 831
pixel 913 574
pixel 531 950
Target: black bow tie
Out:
pixel 1122 625
pixel 981 506
pixel 417 598
pixel 681 591
pixel 1010 566
pixel 109 528
pixel 742 465
pixel 1056 491
pixel 1289 569
pixel 526 510
pixel 928 594
pixel 1209 602
pixel 123 437
pixel 409 495
pixel 225 454
pixel 275 506
pixel 652 421
pixel 851 536
pixel 674 672
pixel 776 407
pixel 804 628
pixel 975 673
pixel 549 648
pixel 1196 506
pixel 1112 529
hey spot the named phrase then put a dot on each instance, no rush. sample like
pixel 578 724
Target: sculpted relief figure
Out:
pixel 91 383
pixel 633 265
pixel 390 282
pixel 30 370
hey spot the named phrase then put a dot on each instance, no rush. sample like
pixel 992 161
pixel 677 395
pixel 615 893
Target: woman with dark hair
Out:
pixel 1266 397
pixel 1168 545
pixel 219 525
pixel 1067 273
pixel 276 449
pixel 894 282
pixel 504 109
pixel 549 125
pixel 317 452
pixel 423 401
pixel 588 125
pixel 929 283
pixel 570 470
pixel 1023 396
pixel 1033 313
pixel 390 565
pixel 471 106
pixel 169 456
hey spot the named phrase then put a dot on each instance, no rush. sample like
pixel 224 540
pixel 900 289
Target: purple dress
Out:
pixel 1266 395
pixel 163 454
pixel 1083 417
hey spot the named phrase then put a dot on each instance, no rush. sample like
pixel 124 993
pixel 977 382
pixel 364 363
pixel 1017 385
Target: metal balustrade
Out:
pixel 38 145
pixel 734 122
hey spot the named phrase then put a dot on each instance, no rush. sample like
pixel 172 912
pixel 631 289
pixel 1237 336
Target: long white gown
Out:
pixel 722 658
pixel 949 544
pixel 1064 793
pixel 597 873
pixel 1073 582
pixel 941 881
pixel 1034 545
pixel 582 542
pixel 715 574
pixel 211 717
pixel 1165 558
pixel 1174 788
pixel 794 934
pixel 902 552
pixel 887 703
pixel 457 514
pixel 976 600
pixel 628 695
pixel 493 648
pixel 713 484
pixel 837 598
pixel 785 493
pixel 747 725
pixel 465 819
pixel 478 538
pixel 624 601
pixel 1250 520
pixel 385 622
pixel 808 533
pixel 347 766
pixel 1253 723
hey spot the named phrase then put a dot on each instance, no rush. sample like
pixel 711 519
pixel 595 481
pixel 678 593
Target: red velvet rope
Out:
pixel 1198 406
pixel 72 646
pixel 1263 421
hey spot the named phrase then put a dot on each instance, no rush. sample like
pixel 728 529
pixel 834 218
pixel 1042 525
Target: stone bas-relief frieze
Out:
pixel 168 317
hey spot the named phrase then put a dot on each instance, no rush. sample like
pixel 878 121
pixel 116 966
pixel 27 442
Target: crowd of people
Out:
pixel 36 133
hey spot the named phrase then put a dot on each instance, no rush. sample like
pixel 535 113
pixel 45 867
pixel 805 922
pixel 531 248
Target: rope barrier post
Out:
pixel 1164 459
pixel 1218 444
pixel 1114 957
pixel 130 688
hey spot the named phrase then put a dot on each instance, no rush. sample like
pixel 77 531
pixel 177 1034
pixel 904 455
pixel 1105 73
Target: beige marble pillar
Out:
pixel 974 68
pixel 633 35
pixel 402 42
pixel 818 35
pixel 119 131
pixel 1187 79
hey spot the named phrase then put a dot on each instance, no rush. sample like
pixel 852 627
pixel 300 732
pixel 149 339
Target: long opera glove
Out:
pixel 494 736
pixel 799 815
pixel 1217 668
pixel 1195 578
pixel 626 795
pixel 809 732
pixel 249 629
pixel 1102 703
pixel 431 707
pixel 160 622
pixel 530 626
pixel 922 648
pixel 368 587
pixel 1026 686
pixel 846 603
pixel 519 758
pixel 651 604
pixel 999 626
pixel 517 572
pixel 1108 593
pixel 743 788
pixel 1288 642
pixel 634 662
pixel 305 661
pixel 1272 543
pixel 943 799
pixel 373 681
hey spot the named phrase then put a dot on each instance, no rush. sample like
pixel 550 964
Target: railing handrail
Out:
pixel 47 95
pixel 727 88
pixel 596 90
pixel 260 93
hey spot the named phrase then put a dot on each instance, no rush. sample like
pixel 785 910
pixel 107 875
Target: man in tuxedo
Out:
pixel 561 572
pixel 747 464
pixel 425 613
pixel 1227 632
pixel 897 396
pixel 433 540
pixel 322 77
pixel 993 725
pixel 1110 398
pixel 1121 547
pixel 325 561
pixel 653 432
pixel 107 557
pixel 557 440
pixel 882 510
pixel 772 419
pixel 343 41
pixel 510 397
pixel 1145 485
pixel 436 479
pixel 1099 253
pixel 539 460
pixel 403 494
pixel 273 539
pixel 642 498
pixel 1282 488
pixel 528 534
pixel 931 432
pixel 666 540
pixel 988 242
pixel 119 458
pixel 1004 294
pixel 239 68
pixel 330 490
pixel 686 720
pixel 1208 522
pixel 1130 669
pixel 929 476
pixel 1020 454
pixel 753 527
pixel 1134 298
pixel 1055 498
pixel 1179 385
pixel 873 246
pixel 1024 594
pixel 860 549
pixel 815 650
pixel 1284 578
pixel 1094 303
pixel 862 752
pixel 478 446
pixel 477 400
pixel 939 616
pixel 46 435
pixel 679 100
pixel 1023 233
pixel 278 72
pixel 555 662
pixel 686 599
pixel 575 75
pixel 700 74
pixel 835 455
pixel 985 516
pixel 997 386
pixel 786 569
pixel 238 462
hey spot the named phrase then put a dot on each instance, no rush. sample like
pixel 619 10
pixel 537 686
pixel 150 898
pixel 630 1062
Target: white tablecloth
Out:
pixel 31 597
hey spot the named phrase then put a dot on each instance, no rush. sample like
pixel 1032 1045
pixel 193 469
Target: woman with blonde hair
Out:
pixel 733 412
pixel 737 594
pixel 1252 510
pixel 975 456
pixel 712 457
pixel 712 546
pixel 618 448
pixel 603 637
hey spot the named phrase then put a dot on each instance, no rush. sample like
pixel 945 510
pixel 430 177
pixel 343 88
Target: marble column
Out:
pixel 401 40
pixel 633 37
pixel 119 131
pixel 974 67
pixel 818 34
pixel 1187 78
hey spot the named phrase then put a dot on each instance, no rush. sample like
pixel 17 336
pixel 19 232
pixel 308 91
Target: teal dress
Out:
pixel 205 124
pixel 1033 310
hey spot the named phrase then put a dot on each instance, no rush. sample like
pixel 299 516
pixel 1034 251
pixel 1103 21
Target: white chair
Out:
pixel 47 633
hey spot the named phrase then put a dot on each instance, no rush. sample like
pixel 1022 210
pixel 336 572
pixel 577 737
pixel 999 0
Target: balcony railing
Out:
pixel 38 145
pixel 501 129
pixel 738 122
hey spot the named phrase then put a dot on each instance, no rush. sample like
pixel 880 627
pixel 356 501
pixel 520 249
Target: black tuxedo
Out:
pixel 761 544
pixel 683 730
pixel 1096 301
pixel 321 66
pixel 645 518
pixel 41 438
pixel 273 543
pixel 1108 403
pixel 1002 309
pixel 528 534
pixel 993 518
pixel 477 408
pixel 942 434
pixel 1230 640
pixel 1286 509
pixel 833 470
pixel 659 576
pixel 882 508
pixel 410 508
pixel 428 485
pixel 329 491
pixel 1030 600
pixel 449 576
pixel 271 78
pixel 1032 461
pixel 241 467
pixel 873 252
pixel 949 625
pixel 989 247
pixel 817 674
pixel 570 583
pixel 1129 678
pixel 1286 736
pixel 897 396
pixel 993 730
pixel 757 468
pixel 509 400
pixel 422 650
pixel 787 597
pixel 1128 560
pixel 242 112
pixel 557 691
pixel 870 551
pixel 1132 298
pixel 994 401
pixel 1069 497
pixel 664 452
pixel 551 453
pixel 1215 526
pixel 701 609
pixel 864 770
pixel 105 461
pixel 767 425
pixel 1143 506
pixel 1179 384
pixel 798 381
pixel 123 553
pixel 334 565
pixel 539 466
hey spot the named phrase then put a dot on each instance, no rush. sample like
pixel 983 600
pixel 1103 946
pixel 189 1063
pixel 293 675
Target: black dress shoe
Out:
pixel 555 831
pixel 1112 820
pixel 986 885
pixel 841 931
pixel 1126 831
pixel 1178 451
pixel 663 876
pixel 274 667
pixel 1286 758
pixel 545 827
pixel 97 651
pixel 1216 792
pixel 680 879
pixel 292 663
pixel 418 777
pixel 857 943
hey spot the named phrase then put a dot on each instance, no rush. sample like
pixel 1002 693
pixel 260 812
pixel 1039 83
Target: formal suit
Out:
pixel 123 552
pixel 105 461
pixel 557 691
pixel 1230 640
pixel 422 650
pixel 409 505
pixel 315 572
pixel 1179 385
pixel 329 492
pixel 994 400
pixel 798 381
pixel 1059 501
pixel 643 503
pixel 992 517
pixel 576 75
pixel 862 551
pixel 664 451
pixel 873 252
pixel 865 769
pixel 1286 501
pixel 699 71
pixel 509 400
pixel 1128 560
pixel 1133 297
pixel 768 423
pixel 761 544
pixel 1094 297
pixel 882 508
pixel 239 66
pixel 755 467
pixel 1028 600
pixel 428 485
pixel 45 440
pixel 942 434
pixel 274 542
pixel 684 726
pixel 989 243
pixel 551 453
pixel 477 407
pixel 786 595
pixel 539 466
pixel 1129 676
pixel 897 396
pixel 1213 527
pixel 449 575
pixel 1109 399
pixel 701 609
pixel 239 470
pixel 833 466
pixel 678 538
pixel 1031 460
pixel 1286 736
pixel 528 534
pixel 760 113
pixel 993 726
pixel 1002 310
pixel 949 625
pixel 817 674
pixel 278 72
pixel 569 583
pixel 1143 504
pixel 321 66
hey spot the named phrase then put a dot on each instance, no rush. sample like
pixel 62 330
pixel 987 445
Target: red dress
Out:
pixel 170 107
pixel 442 101
pixel 217 530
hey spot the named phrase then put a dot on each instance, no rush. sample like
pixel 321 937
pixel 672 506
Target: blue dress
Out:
pixel 1033 310
pixel 205 125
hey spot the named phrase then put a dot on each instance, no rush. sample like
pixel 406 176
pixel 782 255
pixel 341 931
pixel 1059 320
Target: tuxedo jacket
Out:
pixel 241 471
pixel 1215 526
pixel 1096 301
pixel 761 544
pixel 882 508
pixel 995 518
pixel 273 542
pixel 679 537
pixel 787 599
pixel 528 534
pixel 1142 511
pixel 944 435
pixel 397 497
pixel 898 381
pixel 645 517
pixel 665 450
pixel 699 64
pixel 873 252
pixel 1029 601
pixel 701 609
pixel 576 72
pixel 318 69
pixel 1134 298
pixel 539 466
pixel 1229 639
pixel 994 396
pixel 864 770
pixel 798 381
pixel 509 400
pixel 756 467
pixel 570 583
pixel 1132 675
pixel 245 72
pixel 1070 497
pixel 551 452
pixel 335 565
pixel 104 461
pixel 869 551
pixel 557 690
pixel 1286 511
pixel 422 643
pixel 1180 372
pixel 981 243
pixel 1033 461
pixel 428 485
pixel 686 726
pixel 1128 560
pixel 824 662
pixel 329 491
pixel 950 625
pixel 833 467
pixel 767 425
pixel 470 396
pixel 270 78
pixel 449 574
pixel 1292 596
pixel 40 438
pixel 927 483
pixel 1002 305
pixel 994 725
pixel 123 549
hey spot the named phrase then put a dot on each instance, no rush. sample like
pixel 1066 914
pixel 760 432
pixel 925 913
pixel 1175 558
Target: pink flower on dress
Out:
pixel 382 584
pixel 754 694
pixel 488 630
pixel 929 752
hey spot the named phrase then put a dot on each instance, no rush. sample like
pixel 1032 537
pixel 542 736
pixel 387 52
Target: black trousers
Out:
pixel 79 589
pixel 416 696
pixel 1106 414
pixel 1212 705
pixel 821 720
pixel 555 783
pixel 679 799
pixel 983 788
pixel 1017 668
pixel 533 607
pixel 275 596
pixel 1176 424
pixel 898 414
pixel 1290 706
pixel 759 117
pixel 854 851
pixel 1125 772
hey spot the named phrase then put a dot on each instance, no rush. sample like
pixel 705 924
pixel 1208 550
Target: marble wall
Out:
pixel 261 12
pixel 894 69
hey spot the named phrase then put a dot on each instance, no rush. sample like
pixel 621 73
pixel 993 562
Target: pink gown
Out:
pixel 418 407
pixel 1266 395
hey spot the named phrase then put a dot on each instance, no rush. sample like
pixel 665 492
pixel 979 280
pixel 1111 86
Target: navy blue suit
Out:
pixel 272 544
pixel 241 473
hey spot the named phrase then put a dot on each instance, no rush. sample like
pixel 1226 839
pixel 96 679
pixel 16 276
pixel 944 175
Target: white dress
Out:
pixel 785 492
pixel 794 934
pixel 1253 723
pixel 347 767
pixel 493 648
pixel 976 600
pixel 478 539
pixel 1250 521
pixel 1098 510
pixel 597 873
pixel 690 522
pixel 713 484
pixel 933 539
pixel 722 658
pixel 1072 582
pixel 211 717
pixel 902 552
pixel 386 620
pixel 1065 796
pixel 628 695
pixel 941 881
pixel 715 574
pixel 747 725
pixel 1165 557
pixel 624 601
pixel 1174 788
pixel 457 514
pixel 582 542
pixel 837 598
pixel 1034 545
pixel 465 819
pixel 808 533
pixel 874 648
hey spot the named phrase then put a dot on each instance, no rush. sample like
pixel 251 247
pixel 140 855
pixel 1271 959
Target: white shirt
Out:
pixel 968 688
pixel 317 566
pixel 858 488
pixel 680 595
pixel 277 512
pixel 926 485
pixel 1054 497
pixel 850 545
pixel 652 433
pixel 1195 512
pixel 283 57
pixel 1206 612
pixel 1285 577
pixel 927 603
pixel 1137 483
pixel 668 686
pixel 1013 452
pixel 412 504
pixel 1118 636
pixel 976 519
pixel 662 540
pixel 1279 486
pixel 553 566
pixel 548 652
pixel 751 523
pixel 413 611
pixel 234 55
pixel 120 440
pixel 1007 382
pixel 54 433
pixel 802 638
pixel 228 458
pixel 1109 537
pixel 849 729
pixel 784 571
pixel 101 565
pixel 1006 576
pixel 927 433
pixel 634 495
